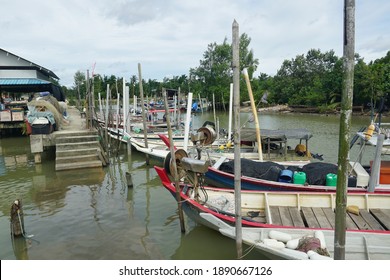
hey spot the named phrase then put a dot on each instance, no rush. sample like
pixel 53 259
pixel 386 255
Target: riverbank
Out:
pixel 357 110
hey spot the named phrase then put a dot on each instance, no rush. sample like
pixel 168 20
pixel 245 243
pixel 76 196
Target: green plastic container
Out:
pixel 331 180
pixel 299 178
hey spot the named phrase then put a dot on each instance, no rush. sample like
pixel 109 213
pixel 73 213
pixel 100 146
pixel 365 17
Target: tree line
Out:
pixel 312 79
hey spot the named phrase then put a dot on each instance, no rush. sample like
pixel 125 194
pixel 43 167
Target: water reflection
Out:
pixel 213 246
pixel 20 247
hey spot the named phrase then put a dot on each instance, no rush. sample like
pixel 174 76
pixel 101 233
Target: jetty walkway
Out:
pixel 75 145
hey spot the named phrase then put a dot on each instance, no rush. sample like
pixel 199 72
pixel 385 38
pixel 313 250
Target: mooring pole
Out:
pixel 141 91
pixel 345 128
pixel 254 112
pixel 173 162
pixel 237 137
pixel 17 223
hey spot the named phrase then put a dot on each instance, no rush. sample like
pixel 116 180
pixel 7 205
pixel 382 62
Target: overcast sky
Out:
pixel 169 37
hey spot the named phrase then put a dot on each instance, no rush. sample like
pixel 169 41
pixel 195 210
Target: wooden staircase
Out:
pixel 79 149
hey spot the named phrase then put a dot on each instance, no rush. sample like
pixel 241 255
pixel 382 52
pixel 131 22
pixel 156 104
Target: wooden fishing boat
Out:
pixel 222 147
pixel 369 213
pixel 138 138
pixel 293 244
pixel 288 176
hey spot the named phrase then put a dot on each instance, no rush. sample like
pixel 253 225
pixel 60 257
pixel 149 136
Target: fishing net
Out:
pixel 316 172
pixel 307 244
pixel 262 170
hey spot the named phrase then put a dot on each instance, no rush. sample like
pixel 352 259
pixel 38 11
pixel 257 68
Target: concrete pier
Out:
pixel 76 146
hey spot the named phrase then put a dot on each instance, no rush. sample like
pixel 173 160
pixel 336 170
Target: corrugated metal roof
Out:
pixel 38 67
pixel 21 81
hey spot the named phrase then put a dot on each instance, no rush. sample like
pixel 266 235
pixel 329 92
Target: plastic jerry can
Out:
pixel 331 180
pixel 300 178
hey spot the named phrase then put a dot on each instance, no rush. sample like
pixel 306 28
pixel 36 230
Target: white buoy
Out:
pixel 280 236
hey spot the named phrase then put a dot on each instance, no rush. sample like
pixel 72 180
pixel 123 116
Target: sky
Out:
pixel 167 38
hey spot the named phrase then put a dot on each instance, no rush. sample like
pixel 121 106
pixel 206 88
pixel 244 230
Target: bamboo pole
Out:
pixel 118 118
pixel 254 112
pixel 237 137
pixel 141 91
pixel 135 105
pixel 128 119
pixel 345 128
pixel 173 162
pixel 107 107
pixel 100 105
pixel 215 117
pixel 178 108
pixel 200 104
pixel 188 121
pixel 88 99
pixel 125 105
pixel 230 113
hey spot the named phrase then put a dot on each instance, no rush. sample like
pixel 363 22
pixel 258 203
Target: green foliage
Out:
pixel 214 74
pixel 311 79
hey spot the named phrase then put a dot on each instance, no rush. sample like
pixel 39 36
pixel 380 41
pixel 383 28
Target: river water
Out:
pixel 91 214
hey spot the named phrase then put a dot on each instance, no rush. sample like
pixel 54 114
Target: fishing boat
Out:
pixel 302 244
pixel 138 137
pixel 275 144
pixel 368 214
pixel 289 176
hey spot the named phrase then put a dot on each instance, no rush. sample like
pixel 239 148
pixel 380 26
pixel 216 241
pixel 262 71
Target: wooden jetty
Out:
pixel 76 146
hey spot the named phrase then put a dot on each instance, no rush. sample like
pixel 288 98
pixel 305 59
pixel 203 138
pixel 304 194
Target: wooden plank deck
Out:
pixel 371 221
pixel 317 217
pixel 309 217
pixel 383 216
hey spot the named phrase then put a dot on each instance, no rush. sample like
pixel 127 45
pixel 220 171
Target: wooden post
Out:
pixel 79 98
pixel 215 117
pixel 200 103
pixel 128 119
pixel 141 91
pixel 88 99
pixel 129 180
pixel 230 113
pixel 118 118
pixel 178 108
pixel 254 112
pixel 237 137
pixel 100 105
pixel 173 162
pixel 17 223
pixel 125 106
pixel 345 128
pixel 106 113
pixel 188 121
pixel 92 100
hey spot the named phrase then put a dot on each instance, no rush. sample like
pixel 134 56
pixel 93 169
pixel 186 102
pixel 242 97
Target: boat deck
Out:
pixel 319 217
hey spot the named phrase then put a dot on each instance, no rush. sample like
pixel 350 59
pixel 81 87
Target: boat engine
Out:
pixel 190 169
pixel 205 136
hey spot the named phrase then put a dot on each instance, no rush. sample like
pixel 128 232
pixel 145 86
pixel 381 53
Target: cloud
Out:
pixel 169 37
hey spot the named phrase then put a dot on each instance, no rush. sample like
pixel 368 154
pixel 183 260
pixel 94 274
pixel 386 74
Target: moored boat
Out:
pixel 307 244
pixel 289 176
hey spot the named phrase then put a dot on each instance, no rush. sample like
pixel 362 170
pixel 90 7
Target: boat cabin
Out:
pixel 276 141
